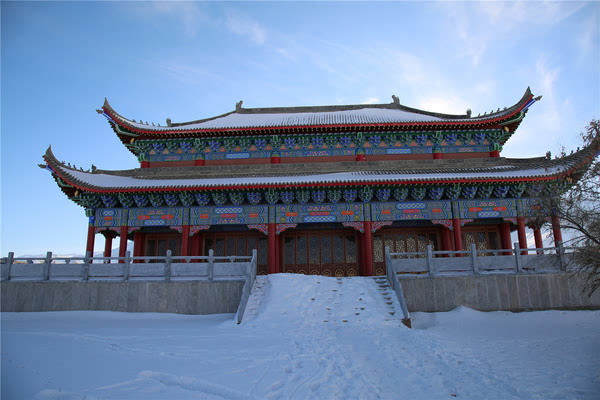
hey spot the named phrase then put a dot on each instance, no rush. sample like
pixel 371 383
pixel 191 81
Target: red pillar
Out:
pixel 278 254
pixel 494 153
pixel 437 156
pixel 556 232
pixel 368 247
pixel 521 234
pixel 185 241
pixel 138 245
pixel 457 236
pixel 90 240
pixel 446 240
pixel 505 237
pixel 108 237
pixel 360 155
pixel 145 164
pixel 360 253
pixel 123 243
pixel 275 159
pixel 199 162
pixel 272 246
pixel 539 243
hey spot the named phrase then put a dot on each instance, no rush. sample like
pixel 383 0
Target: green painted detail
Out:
pixel 125 200
pixel 156 199
pixel 365 194
pixel 186 198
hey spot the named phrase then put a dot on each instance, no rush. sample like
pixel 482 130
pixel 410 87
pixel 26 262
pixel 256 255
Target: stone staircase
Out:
pixel 387 294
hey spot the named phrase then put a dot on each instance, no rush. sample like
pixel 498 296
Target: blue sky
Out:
pixel 59 60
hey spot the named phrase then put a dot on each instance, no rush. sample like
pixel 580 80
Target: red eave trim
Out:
pixel 276 186
pixel 270 128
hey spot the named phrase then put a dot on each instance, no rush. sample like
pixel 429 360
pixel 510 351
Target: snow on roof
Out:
pixel 106 181
pixel 349 117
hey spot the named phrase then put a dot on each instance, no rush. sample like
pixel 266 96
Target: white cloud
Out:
pixel 189 14
pixel 475 27
pixel 187 74
pixel 371 100
pixel 246 26
pixel 446 105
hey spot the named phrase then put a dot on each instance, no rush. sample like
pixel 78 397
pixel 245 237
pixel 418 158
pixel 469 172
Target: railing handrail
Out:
pixel 479 261
pixel 205 267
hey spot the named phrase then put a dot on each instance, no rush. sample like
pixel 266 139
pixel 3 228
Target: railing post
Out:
pixel 86 265
pixel 430 261
pixel 168 266
pixel 211 264
pixel 518 258
pixel 561 252
pixel 474 258
pixel 47 266
pixel 10 260
pixel 126 266
pixel 254 264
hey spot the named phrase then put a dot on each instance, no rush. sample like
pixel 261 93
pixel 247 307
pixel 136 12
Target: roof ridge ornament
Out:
pixel 396 100
pixel 238 105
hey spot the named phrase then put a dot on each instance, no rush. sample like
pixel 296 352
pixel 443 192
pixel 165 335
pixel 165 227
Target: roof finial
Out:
pixel 168 121
pixel 538 98
pixel 99 111
pixel 238 105
pixel 469 112
pixel 395 100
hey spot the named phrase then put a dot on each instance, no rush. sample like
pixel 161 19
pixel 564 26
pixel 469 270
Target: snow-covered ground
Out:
pixel 304 337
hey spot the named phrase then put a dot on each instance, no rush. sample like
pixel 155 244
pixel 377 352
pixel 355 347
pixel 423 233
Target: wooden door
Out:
pixel 402 240
pixel 320 252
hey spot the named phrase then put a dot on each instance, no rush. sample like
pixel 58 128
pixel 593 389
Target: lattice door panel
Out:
pixel 329 253
pixel 238 244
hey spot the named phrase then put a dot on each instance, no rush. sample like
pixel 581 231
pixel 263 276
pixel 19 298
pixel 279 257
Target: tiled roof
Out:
pixel 438 171
pixel 346 115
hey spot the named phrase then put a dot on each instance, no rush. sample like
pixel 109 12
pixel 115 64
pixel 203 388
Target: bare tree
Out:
pixel 575 200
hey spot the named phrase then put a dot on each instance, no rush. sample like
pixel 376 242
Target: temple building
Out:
pixel 317 190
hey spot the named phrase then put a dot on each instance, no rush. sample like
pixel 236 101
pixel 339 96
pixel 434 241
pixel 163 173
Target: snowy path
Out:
pixel 285 349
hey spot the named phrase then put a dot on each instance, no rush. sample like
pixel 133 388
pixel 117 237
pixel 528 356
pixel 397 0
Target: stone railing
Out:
pixel 475 262
pixel 128 268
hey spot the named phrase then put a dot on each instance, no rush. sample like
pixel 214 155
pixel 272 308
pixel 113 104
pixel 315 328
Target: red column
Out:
pixel 437 156
pixel 138 245
pixel 539 243
pixel 505 237
pixel 275 159
pixel 278 254
pixel 556 230
pixel 360 155
pixel 457 236
pixel 185 241
pixel 123 243
pixel 108 245
pixel 368 247
pixel 521 234
pixel 272 246
pixel 145 164
pixel 90 240
pixel 494 153
pixel 446 240
pixel 360 252
pixel 199 162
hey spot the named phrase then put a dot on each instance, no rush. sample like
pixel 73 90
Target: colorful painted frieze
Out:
pixel 487 208
pixel 306 213
pixel 163 216
pixel 229 215
pixel 410 210
pixel 111 217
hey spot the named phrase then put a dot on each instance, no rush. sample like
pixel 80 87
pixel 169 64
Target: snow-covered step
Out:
pixel 329 302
